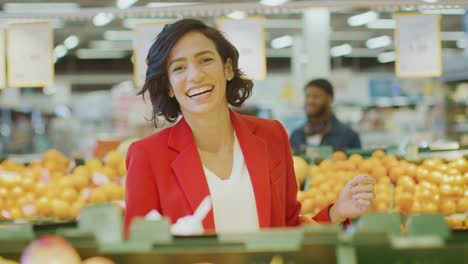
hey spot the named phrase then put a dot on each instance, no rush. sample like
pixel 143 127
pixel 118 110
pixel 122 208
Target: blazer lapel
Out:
pixel 188 169
pixel 255 154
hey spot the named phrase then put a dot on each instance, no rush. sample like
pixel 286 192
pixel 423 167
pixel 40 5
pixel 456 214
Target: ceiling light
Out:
pixel 431 1
pixel 102 19
pixel 40 7
pixel 282 42
pixel 122 4
pixel 362 19
pixel 386 57
pixel 378 42
pixel 160 4
pixel 381 24
pixel 60 51
pixel 71 42
pixel 341 50
pixel 273 2
pixel 237 15
pixel 118 35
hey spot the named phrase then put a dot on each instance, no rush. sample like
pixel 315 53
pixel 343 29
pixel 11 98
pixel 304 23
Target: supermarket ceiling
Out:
pixel 89 34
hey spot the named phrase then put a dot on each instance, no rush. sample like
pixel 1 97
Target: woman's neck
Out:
pixel 212 132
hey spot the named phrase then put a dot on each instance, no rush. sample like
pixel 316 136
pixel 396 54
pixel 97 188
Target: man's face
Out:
pixel 317 102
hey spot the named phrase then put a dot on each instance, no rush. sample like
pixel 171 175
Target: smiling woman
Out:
pixel 244 164
pixel 209 47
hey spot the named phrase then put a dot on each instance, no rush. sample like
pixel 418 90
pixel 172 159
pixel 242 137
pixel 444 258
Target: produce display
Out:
pixel 430 186
pixel 54 187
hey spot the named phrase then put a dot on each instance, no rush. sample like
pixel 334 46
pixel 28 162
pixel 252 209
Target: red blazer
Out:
pixel 165 173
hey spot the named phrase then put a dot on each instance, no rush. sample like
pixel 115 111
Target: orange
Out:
pixel 43 206
pixel 114 159
pixel 448 207
pixel 356 158
pixel 407 183
pixel 378 154
pixel 82 170
pixel 61 209
pixel 16 213
pixel 457 191
pixel 307 205
pixel 80 181
pixel 17 192
pixel 396 172
pixel 435 177
pixel 422 173
pixel 111 173
pixel 462 205
pixel 338 155
pixel 416 208
pixel 366 166
pixel 122 169
pixel 93 164
pixel 379 172
pixel 97 195
pixel 40 189
pixel 4 193
pixel 69 194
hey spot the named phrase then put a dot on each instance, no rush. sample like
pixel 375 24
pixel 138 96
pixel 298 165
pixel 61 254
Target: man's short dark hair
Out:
pixel 157 81
pixel 323 84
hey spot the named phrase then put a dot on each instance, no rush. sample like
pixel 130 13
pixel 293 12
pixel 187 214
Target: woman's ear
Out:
pixel 228 71
pixel 170 92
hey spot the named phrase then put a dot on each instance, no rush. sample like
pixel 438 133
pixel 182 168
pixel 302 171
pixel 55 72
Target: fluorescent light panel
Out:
pixel 122 4
pixel 103 19
pixel 362 19
pixel 341 50
pixel 378 42
pixel 386 57
pixel 71 42
pixel 237 15
pixel 282 42
pixel 273 2
pixel 60 51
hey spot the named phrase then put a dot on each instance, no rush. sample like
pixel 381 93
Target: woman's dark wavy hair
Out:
pixel 157 82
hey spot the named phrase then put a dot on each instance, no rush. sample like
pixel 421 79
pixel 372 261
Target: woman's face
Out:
pixel 197 75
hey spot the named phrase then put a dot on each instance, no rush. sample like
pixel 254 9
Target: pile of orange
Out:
pixel 432 186
pixel 53 187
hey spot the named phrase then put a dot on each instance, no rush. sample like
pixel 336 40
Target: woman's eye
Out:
pixel 177 68
pixel 206 60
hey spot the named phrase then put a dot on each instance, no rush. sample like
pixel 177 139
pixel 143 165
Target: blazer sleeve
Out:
pixel 293 207
pixel 141 194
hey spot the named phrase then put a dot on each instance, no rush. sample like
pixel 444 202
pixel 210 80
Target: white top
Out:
pixel 233 199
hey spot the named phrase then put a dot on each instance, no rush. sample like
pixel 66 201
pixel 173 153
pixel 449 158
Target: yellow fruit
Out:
pixel 301 168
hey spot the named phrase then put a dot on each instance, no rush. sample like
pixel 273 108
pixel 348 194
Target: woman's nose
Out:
pixel 195 74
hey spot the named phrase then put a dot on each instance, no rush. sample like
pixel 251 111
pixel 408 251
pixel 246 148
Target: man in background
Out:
pixel 322 127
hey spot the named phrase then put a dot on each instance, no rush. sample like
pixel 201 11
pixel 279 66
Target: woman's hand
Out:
pixel 354 200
